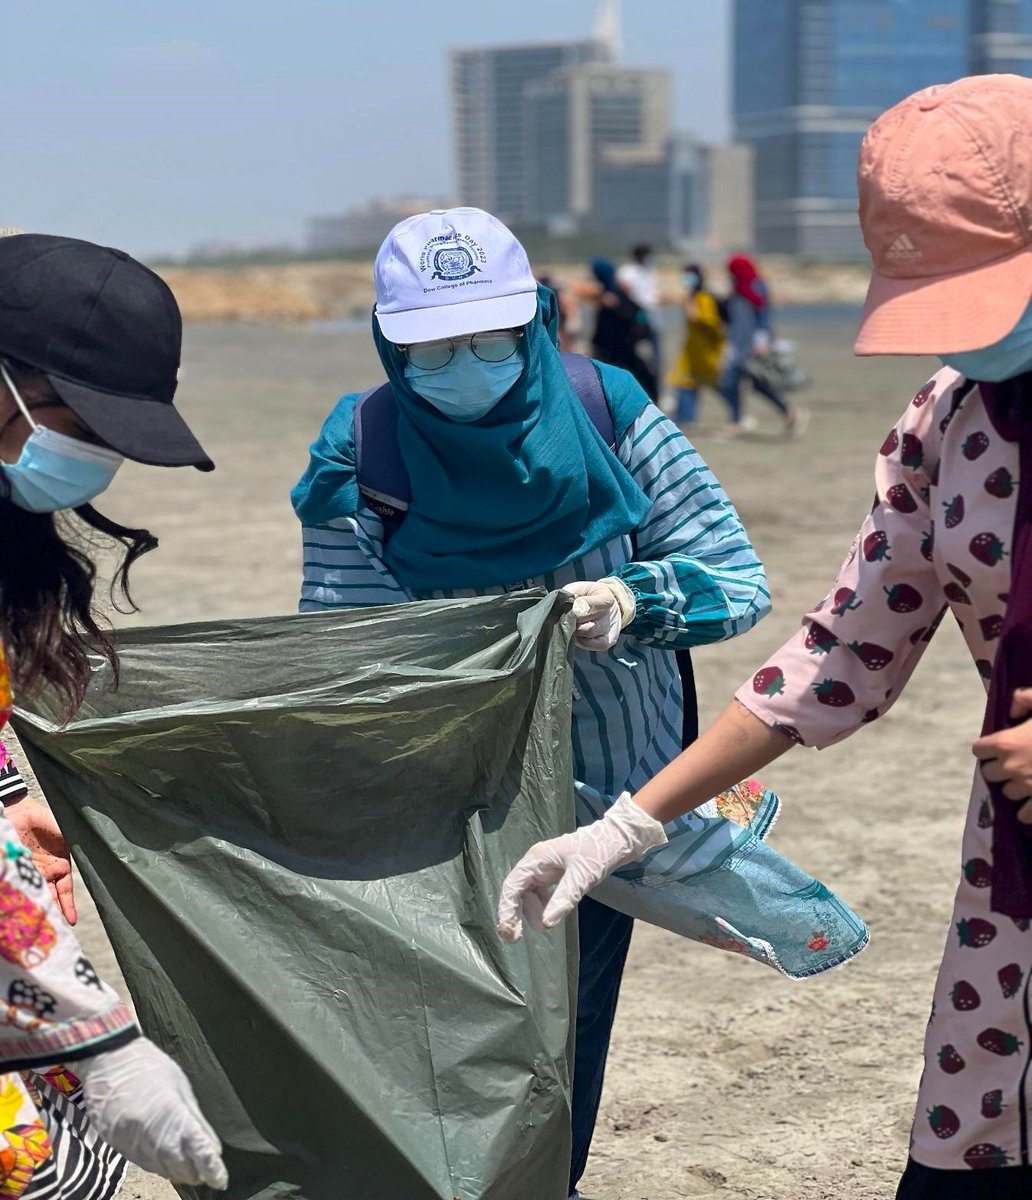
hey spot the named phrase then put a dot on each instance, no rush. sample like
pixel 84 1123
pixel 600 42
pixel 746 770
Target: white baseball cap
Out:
pixel 449 273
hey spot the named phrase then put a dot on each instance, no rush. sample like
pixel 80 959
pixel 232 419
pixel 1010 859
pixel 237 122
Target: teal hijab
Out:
pixel 524 490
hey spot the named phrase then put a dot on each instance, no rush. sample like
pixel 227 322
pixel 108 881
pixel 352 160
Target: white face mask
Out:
pixel 55 471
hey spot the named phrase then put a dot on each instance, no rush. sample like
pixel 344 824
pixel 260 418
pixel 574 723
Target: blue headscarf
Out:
pixel 529 487
pixel 605 273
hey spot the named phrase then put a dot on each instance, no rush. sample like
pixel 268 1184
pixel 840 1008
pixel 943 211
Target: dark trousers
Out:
pixel 655 341
pixel 999 1183
pixel 605 936
pixel 731 387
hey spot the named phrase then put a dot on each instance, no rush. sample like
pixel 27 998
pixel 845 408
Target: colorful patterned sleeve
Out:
pixel 54 1008
pixel 695 576
pixel 53 1005
pixel 858 647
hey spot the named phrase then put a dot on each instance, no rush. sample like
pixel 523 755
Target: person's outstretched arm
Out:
pixel 736 746
pixel 843 669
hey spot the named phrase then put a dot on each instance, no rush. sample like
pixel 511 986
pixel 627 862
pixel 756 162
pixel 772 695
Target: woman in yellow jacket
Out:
pixel 698 364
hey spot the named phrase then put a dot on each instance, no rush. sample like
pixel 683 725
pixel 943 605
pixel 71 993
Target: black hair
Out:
pixel 49 616
pixel 699 272
pixel 641 251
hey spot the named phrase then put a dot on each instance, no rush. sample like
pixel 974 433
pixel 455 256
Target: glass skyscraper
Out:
pixel 1002 36
pixel 811 76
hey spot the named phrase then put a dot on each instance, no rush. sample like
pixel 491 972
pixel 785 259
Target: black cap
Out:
pixel 107 333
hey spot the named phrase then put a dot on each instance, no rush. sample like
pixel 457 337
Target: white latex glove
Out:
pixel 603 608
pixel 142 1104
pixel 573 863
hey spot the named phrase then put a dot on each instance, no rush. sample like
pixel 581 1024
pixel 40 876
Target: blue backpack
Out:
pixel 383 478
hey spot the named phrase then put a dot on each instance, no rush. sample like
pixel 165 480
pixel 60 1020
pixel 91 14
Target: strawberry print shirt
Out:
pixel 937 538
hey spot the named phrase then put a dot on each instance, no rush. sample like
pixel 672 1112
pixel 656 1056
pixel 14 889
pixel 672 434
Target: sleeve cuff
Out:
pixel 625 598
pixel 71 1040
pixel 747 700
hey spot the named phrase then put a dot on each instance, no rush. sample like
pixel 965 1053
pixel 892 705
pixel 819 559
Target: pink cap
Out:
pixel 945 183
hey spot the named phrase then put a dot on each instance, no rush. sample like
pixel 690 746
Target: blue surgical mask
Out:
pixel 691 280
pixel 1010 356
pixel 54 471
pixel 467 388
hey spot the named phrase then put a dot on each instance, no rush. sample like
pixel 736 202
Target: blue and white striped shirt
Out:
pixel 694 574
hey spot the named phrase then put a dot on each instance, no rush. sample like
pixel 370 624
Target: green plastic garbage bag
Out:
pixel 296 831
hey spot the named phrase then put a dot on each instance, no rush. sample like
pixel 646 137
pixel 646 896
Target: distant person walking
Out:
pixel 621 327
pixel 698 364
pixel 750 337
pixel 639 280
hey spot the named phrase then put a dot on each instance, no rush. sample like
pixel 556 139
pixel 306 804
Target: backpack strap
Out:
pixel 587 383
pixel 380 469
pixel 382 476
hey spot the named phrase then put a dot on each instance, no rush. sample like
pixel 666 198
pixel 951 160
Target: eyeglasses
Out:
pixel 493 346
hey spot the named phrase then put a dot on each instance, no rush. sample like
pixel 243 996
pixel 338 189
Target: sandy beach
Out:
pixel 309 290
pixel 725 1080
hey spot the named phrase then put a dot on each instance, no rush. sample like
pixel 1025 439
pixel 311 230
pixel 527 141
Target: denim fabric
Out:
pixel 687 405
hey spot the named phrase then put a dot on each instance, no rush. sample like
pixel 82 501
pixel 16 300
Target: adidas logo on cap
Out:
pixel 903 250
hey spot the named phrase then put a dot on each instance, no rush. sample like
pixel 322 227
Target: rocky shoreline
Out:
pixel 299 292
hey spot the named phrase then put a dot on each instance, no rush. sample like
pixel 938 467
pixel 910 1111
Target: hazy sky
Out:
pixel 152 126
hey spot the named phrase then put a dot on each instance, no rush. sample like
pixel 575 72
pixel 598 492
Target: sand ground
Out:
pixel 307 291
pixel 725 1080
